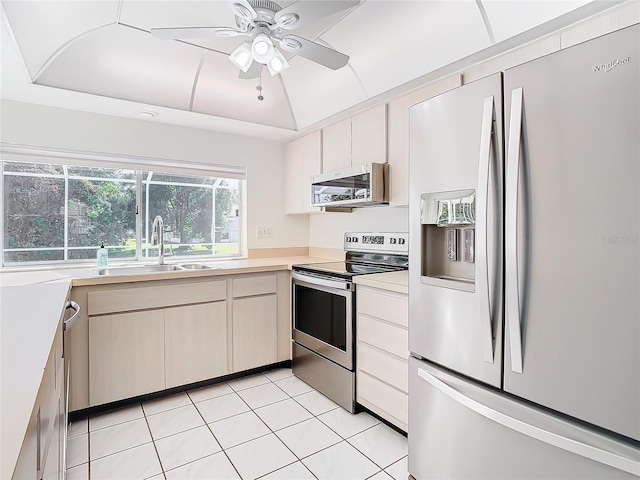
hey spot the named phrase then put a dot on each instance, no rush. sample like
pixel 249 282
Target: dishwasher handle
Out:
pixel 70 321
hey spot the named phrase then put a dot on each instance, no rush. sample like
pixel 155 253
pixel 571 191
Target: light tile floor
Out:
pixel 269 425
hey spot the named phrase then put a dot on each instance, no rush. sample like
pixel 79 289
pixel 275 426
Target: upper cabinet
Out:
pixel 356 140
pixel 399 136
pixel 304 159
pixel 336 146
pixel 369 136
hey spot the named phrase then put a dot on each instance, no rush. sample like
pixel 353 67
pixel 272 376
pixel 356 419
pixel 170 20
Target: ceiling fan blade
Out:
pixel 242 8
pixel 307 11
pixel 195 32
pixel 314 51
pixel 253 72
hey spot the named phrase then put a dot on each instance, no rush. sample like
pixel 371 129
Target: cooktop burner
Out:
pixel 366 253
pixel 346 269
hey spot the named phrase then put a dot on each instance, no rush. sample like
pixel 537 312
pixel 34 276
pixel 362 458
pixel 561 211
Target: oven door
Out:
pixel 323 316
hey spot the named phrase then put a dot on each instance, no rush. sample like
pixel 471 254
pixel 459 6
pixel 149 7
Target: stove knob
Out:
pixel 392 241
pixel 401 241
pixel 355 239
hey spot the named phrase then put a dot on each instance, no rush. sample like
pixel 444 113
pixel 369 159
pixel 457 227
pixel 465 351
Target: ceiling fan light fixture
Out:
pixel 262 48
pixel 241 57
pixel 290 44
pixel 288 19
pixel 277 64
pixel 242 11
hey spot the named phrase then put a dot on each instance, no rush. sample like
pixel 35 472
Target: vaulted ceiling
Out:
pixel 100 56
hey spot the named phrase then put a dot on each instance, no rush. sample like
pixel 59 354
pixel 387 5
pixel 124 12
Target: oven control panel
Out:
pixel 394 242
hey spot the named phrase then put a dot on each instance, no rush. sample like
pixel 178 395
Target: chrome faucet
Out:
pixel 157 237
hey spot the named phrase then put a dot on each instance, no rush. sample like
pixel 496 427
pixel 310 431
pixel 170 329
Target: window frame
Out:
pixel 65 158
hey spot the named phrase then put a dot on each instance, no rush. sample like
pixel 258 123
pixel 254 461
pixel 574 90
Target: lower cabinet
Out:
pixel 254 332
pixel 126 355
pixel 195 343
pixel 42 452
pixel 145 338
pixel 382 353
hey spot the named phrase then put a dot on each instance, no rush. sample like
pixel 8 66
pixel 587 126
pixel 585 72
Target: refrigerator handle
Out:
pixel 511 225
pixel 541 432
pixel 482 219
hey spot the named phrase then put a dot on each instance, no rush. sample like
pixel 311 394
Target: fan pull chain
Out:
pixel 259 87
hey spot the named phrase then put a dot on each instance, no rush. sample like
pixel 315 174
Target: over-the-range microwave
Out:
pixel 360 186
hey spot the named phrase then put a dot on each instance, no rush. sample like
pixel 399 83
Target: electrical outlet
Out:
pixel 264 232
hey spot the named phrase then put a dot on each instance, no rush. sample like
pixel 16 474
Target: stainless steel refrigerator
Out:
pixel 524 287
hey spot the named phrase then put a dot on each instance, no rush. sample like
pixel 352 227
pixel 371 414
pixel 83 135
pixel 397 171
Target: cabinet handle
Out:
pixel 70 321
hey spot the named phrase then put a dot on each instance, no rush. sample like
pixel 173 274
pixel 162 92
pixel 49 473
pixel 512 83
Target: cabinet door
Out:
pixel 195 343
pixel 311 165
pixel 294 175
pixel 255 332
pixel 336 146
pixel 369 136
pixel 126 355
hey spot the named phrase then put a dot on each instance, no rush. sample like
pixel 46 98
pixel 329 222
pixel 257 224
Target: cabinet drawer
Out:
pixel 388 337
pixel 390 306
pixel 384 366
pixel 142 298
pixel 254 285
pixel 382 398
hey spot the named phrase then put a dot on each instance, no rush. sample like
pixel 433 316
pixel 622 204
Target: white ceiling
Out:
pixel 98 56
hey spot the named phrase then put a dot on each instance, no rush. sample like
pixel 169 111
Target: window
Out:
pixel 55 212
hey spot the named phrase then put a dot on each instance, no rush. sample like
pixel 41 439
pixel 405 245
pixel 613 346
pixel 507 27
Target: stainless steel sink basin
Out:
pixel 195 266
pixel 139 269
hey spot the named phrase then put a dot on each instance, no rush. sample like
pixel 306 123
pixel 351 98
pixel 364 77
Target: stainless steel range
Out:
pixel 324 311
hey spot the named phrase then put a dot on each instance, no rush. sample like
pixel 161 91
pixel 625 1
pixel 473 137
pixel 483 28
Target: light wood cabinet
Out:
pixel 294 176
pixel 369 136
pixel 398 133
pixel 304 159
pixel 255 321
pixel 156 335
pixel 126 355
pixel 336 146
pixel 195 343
pixel 355 141
pixel 255 332
pixel 382 353
pixel 43 445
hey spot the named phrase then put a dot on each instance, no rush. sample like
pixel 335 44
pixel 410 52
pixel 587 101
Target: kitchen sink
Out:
pixel 195 266
pixel 139 269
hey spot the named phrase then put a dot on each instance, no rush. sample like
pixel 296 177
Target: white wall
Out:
pixel 327 229
pixel 42 126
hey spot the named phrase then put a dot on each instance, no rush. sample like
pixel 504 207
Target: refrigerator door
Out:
pixel 462 430
pixel 456 156
pixel 572 230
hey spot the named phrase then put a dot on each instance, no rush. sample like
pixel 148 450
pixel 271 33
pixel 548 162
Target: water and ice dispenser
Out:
pixel 448 239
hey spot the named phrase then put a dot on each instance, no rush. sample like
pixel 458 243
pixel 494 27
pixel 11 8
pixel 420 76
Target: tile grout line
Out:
pixel 153 440
pixel 252 410
pixel 213 434
pixel 298 459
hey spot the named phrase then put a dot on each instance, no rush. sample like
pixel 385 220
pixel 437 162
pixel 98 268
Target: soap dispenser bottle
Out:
pixel 103 256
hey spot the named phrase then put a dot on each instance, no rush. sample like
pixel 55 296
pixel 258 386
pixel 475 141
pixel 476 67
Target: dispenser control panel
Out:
pixel 452 244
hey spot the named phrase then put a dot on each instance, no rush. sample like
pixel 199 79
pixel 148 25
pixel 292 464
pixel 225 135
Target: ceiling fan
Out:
pixel 267 25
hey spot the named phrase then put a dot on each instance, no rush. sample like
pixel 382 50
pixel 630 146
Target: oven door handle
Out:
pixel 311 280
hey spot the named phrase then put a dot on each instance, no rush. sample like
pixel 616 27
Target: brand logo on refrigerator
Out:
pixel 607 67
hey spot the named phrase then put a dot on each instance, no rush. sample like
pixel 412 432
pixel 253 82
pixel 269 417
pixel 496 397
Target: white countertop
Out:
pixel 30 315
pixel 394 281
pixel 31 305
